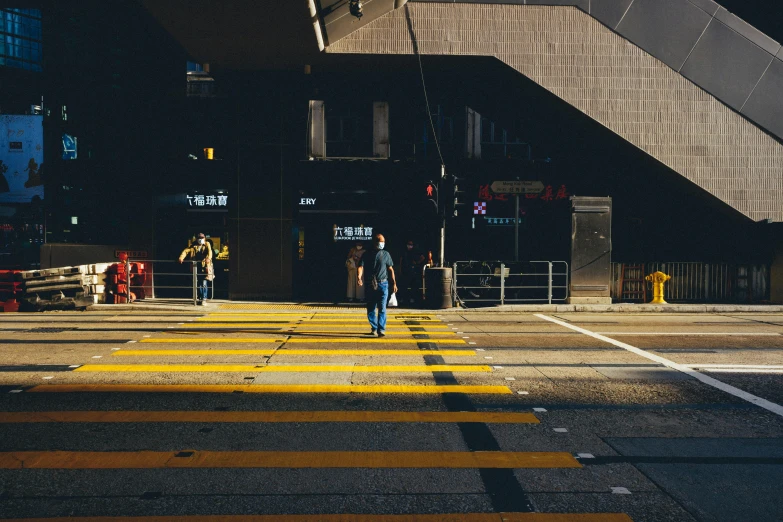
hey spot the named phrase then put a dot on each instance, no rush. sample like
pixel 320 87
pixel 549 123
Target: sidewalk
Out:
pixel 182 305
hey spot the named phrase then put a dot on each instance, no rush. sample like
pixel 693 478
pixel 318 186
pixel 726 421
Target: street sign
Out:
pixel 516 187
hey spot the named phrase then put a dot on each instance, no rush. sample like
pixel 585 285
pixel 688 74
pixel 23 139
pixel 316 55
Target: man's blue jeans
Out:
pixel 377 299
pixel 201 289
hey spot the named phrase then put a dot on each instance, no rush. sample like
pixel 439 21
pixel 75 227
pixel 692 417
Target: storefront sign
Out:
pixel 360 233
pixel 207 200
pixel 307 201
pixel 547 194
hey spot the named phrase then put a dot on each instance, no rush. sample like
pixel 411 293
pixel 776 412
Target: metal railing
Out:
pixel 694 282
pixel 177 277
pixel 503 282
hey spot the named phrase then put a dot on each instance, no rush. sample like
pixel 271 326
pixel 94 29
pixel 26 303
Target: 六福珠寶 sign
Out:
pixel 207 200
pixel 360 233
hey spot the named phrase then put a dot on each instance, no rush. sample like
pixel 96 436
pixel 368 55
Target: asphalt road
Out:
pixel 252 413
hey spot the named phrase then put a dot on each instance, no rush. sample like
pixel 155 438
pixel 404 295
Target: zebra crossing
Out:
pixel 403 407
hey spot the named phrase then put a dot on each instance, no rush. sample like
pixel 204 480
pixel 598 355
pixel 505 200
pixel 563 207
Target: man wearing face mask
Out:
pixel 200 252
pixel 378 264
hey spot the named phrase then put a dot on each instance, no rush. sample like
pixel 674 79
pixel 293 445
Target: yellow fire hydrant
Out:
pixel 658 279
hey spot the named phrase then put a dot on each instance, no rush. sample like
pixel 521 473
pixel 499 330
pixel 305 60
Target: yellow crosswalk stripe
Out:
pixel 214 340
pixel 284 459
pixel 446 517
pixel 268 416
pixel 395 331
pixel 315 320
pixel 468 368
pixel 361 313
pixel 300 351
pixel 274 388
pixel 337 328
pixel 218 340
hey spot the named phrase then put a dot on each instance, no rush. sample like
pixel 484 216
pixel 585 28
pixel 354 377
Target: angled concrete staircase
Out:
pixel 612 80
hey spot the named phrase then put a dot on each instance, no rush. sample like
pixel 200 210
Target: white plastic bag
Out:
pixel 392 300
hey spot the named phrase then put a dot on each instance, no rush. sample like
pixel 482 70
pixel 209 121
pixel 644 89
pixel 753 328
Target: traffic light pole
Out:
pixel 442 254
pixel 516 228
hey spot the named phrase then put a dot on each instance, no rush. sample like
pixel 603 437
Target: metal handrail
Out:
pixel 193 274
pixel 500 274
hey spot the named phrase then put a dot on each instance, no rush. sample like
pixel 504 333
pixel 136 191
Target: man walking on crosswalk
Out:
pixel 379 270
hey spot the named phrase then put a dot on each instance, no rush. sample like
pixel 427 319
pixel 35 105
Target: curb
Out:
pixel 564 308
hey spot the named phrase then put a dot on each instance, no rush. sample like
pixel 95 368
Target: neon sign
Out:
pixel 548 194
pixel 207 200
pixel 360 233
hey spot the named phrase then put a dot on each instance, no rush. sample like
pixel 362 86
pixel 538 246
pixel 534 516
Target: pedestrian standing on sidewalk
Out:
pixel 354 292
pixel 375 271
pixel 201 253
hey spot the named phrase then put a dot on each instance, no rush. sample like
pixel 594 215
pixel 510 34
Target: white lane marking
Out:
pixel 480 349
pixel 488 357
pixel 498 367
pixel 739 370
pixel 130 342
pixel 539 410
pixel 49 377
pixel 523 393
pixel 585 456
pixel 510 378
pixel 74 366
pixel 466 337
pixel 747 334
pixel 715 383
pixel 114 349
pixel 471 342
pixel 560 430
pixel 754 366
pixel 97 356
pixel 620 491
pixel 147 336
pixel 15 391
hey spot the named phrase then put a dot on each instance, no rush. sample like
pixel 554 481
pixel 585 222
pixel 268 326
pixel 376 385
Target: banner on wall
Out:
pixel 21 158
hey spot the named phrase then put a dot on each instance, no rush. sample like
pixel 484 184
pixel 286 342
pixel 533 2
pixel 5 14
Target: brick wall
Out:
pixel 609 79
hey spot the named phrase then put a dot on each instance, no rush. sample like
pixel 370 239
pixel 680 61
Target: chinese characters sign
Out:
pixel 206 201
pixel 360 233
pixel 547 195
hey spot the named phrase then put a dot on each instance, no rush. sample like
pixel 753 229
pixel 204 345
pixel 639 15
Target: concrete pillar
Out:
pixel 776 271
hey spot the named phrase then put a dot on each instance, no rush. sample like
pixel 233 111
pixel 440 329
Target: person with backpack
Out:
pixel 378 264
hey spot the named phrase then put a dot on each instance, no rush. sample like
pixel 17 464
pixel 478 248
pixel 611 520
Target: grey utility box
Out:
pixel 591 250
